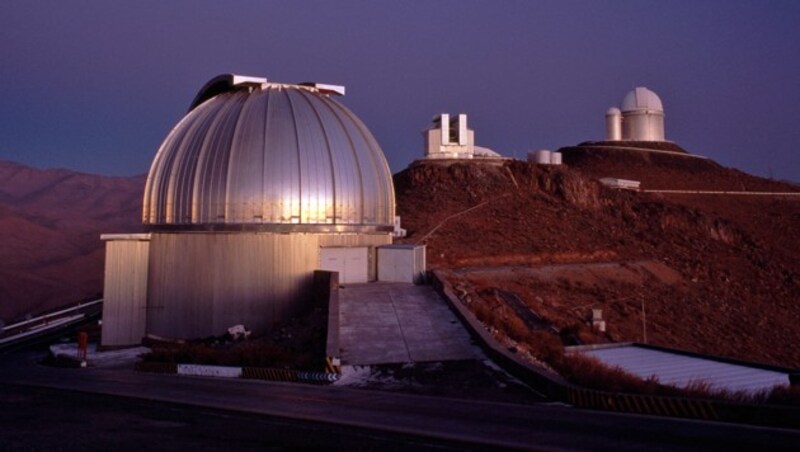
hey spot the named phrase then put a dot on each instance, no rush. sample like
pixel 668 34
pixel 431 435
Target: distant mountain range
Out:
pixel 50 224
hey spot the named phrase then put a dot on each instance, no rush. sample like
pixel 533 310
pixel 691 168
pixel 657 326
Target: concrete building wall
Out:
pixel 203 283
pixel 125 289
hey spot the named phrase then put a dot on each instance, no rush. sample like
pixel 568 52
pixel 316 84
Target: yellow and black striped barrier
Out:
pixel 156 367
pixel 288 375
pixel 262 373
pixel 333 365
pixel 255 373
pixel 643 404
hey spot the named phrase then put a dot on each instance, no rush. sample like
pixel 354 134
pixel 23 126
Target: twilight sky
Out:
pixel 95 86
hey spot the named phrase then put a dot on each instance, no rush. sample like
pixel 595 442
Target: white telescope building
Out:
pixel 256 187
pixel 639 118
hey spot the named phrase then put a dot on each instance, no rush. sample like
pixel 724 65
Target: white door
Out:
pixel 396 264
pixel 351 263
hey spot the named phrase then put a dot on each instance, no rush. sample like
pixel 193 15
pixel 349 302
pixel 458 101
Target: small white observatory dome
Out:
pixel 641 99
pixel 640 118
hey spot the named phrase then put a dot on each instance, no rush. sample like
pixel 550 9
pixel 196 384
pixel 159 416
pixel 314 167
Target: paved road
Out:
pixel 535 426
pixel 38 419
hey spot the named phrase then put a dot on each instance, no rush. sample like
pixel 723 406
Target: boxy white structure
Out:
pixel 401 263
pixel 544 157
pixel 449 138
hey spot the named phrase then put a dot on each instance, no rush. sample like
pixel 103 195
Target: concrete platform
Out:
pixel 383 323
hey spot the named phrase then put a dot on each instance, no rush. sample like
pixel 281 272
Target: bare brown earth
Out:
pixel 715 274
pixel 50 224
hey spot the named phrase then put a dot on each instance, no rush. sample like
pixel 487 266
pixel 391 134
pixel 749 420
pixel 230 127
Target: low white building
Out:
pixel 624 184
pixel 544 157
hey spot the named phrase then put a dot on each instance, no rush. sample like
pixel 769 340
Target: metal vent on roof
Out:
pixel 326 88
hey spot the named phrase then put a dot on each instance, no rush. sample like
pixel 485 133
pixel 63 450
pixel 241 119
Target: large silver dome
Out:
pixel 265 156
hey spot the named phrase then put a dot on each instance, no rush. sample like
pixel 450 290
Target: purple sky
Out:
pixel 95 86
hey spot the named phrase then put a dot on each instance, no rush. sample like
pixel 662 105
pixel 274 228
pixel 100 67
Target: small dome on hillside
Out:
pixel 641 98
pixel 613 111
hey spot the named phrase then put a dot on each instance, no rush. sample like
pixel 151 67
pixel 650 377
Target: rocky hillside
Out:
pixel 712 275
pixel 657 170
pixel 50 223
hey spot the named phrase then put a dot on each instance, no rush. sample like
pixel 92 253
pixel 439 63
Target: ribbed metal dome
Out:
pixel 256 155
pixel 641 99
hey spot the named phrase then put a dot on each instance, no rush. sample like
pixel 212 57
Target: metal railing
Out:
pixel 50 315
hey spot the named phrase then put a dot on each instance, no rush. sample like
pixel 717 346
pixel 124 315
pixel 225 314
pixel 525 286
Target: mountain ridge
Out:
pixel 51 221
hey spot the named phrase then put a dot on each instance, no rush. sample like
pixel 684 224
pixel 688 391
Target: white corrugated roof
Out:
pixel 679 369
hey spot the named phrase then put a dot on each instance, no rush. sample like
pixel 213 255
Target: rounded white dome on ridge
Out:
pixel 639 118
pixel 641 98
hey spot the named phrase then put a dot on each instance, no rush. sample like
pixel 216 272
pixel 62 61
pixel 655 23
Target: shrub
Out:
pixel 591 373
pixel 545 346
pixel 784 395
pixel 516 328
pixel 482 312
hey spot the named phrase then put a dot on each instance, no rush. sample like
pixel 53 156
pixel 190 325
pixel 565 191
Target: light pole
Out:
pixel 644 324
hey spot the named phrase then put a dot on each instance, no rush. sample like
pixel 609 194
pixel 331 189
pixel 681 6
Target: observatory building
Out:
pixel 256 187
pixel 450 138
pixel 639 118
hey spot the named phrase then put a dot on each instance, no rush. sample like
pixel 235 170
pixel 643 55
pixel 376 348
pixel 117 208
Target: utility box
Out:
pixel 401 263
pixel 597 320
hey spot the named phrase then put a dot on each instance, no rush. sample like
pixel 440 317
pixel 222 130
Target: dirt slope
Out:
pixel 664 171
pixel 50 224
pixel 733 291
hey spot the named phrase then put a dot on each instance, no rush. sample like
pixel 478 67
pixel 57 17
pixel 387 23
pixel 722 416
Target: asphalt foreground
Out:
pixel 52 420
pixel 100 409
